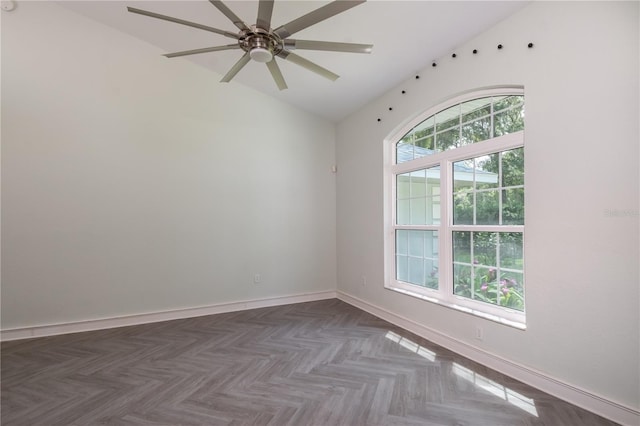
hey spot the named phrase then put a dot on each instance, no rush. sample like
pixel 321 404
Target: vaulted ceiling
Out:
pixel 406 36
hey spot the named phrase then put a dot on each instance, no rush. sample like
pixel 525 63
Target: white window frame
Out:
pixel 444 295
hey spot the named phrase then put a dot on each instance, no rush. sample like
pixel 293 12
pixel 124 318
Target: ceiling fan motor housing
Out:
pixel 261 45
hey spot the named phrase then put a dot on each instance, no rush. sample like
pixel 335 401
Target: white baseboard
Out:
pixel 609 409
pixel 123 321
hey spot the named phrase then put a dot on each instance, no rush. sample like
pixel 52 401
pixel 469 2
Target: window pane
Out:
pixel 402 186
pixel 433 198
pixel 476 131
pixel 448 118
pixel 402 268
pixel 487 171
pixel 425 145
pixel 433 181
pixel 503 102
pixel 487 208
pixel 417 143
pixel 431 273
pixel 418 211
pixel 406 140
pixel 424 128
pixel 511 251
pixel 485 248
pixel 463 208
pixel 418 183
pixel 475 109
pixel 416 243
pixel 404 152
pixel 431 244
pixel 431 247
pixel 463 176
pixel 402 241
pixel 485 287
pixel 416 271
pixel 511 290
pixel 513 206
pixel 454 122
pixel 448 139
pixel 462 247
pixel 508 121
pixel 462 280
pixel 403 214
pixel 433 210
pixel 513 167
pixel 419 152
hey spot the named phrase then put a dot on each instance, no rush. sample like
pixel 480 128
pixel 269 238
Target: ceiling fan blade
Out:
pixel 328 45
pixel 182 22
pixel 265 10
pixel 236 68
pixel 274 69
pixel 203 50
pixel 305 63
pixel 229 14
pixel 318 15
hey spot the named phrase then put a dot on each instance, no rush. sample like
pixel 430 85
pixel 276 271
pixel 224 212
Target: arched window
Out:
pixel 455 206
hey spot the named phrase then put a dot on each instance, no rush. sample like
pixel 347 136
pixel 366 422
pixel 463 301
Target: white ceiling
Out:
pixel 407 36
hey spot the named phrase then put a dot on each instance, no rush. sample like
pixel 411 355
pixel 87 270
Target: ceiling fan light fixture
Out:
pixel 260 54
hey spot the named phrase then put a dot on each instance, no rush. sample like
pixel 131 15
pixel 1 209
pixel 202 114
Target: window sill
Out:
pixel 495 318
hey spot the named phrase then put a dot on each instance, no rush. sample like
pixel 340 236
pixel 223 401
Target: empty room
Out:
pixel 254 212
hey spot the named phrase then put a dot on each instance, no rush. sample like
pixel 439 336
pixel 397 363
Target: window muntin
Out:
pixel 458 183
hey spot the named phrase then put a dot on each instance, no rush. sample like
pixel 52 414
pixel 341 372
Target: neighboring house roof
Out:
pixel 407 152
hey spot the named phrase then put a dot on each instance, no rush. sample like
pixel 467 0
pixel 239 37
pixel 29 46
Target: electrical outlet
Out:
pixel 479 333
pixel 257 279
pixel 364 281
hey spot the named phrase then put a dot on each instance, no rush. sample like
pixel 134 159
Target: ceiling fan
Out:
pixel 262 43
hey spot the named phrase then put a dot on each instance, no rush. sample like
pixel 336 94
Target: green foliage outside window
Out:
pixel 495 196
pixel 488 266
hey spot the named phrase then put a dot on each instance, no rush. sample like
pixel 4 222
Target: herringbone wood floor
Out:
pixel 317 363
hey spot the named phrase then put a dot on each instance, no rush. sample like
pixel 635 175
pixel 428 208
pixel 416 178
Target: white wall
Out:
pixel 133 184
pixel 582 137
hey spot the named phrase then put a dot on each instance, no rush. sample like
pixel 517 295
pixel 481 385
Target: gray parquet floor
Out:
pixel 317 363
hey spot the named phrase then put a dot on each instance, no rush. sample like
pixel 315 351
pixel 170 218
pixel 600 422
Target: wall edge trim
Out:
pixel 159 316
pixel 602 406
